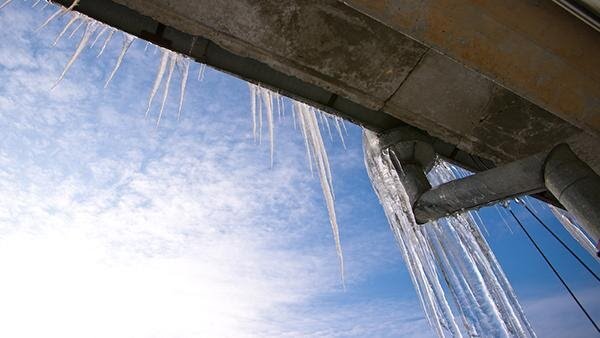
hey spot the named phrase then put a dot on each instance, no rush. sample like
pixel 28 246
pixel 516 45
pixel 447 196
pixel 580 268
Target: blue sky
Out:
pixel 112 227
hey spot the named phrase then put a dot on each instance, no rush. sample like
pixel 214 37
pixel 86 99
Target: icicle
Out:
pixel 294 117
pixel 184 79
pixel 282 102
pixel 303 128
pixel 311 129
pixel 89 29
pixel 167 85
pixel 5 3
pixel 449 256
pixel 106 41
pixel 99 35
pixel 162 67
pixel 271 128
pixel 570 224
pixel 73 19
pixel 260 116
pixel 201 72
pixel 277 99
pixel 267 99
pixel 58 12
pixel 253 94
pixel 326 122
pixel 76 29
pixel 339 130
pixel 127 41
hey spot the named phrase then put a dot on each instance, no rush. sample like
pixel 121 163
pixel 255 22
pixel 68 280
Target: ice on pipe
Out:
pixel 460 284
pixel 571 225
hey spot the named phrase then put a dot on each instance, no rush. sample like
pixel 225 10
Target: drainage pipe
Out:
pixel 523 177
pixel 576 186
pixel 570 180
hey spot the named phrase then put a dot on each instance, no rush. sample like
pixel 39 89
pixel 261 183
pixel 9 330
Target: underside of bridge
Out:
pixel 491 81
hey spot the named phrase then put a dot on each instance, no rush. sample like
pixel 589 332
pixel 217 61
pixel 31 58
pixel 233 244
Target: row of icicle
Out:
pixel 98 34
pixel 264 102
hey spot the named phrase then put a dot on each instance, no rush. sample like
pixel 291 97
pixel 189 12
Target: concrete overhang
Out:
pixel 490 81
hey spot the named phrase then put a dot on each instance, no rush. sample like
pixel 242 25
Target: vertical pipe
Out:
pixel 576 186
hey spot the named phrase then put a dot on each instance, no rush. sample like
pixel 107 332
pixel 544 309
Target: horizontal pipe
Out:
pixel 523 177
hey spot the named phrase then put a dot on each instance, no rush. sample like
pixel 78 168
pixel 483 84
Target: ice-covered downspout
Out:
pixel 461 286
pixel 574 184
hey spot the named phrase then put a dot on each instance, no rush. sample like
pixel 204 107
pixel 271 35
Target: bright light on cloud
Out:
pixel 112 228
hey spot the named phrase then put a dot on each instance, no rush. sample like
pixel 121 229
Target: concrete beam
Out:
pixel 533 48
pixel 329 55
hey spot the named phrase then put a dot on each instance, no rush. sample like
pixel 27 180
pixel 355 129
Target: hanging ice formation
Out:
pixel 461 286
pixel 263 102
pixel 569 222
pixel 95 31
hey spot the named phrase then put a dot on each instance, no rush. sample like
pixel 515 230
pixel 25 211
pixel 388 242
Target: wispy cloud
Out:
pixel 110 227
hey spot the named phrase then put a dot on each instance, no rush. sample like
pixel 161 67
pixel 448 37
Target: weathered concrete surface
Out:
pixel 460 105
pixel 323 42
pixel 484 110
pixel 534 48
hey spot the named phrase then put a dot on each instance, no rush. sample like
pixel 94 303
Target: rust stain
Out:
pixel 531 47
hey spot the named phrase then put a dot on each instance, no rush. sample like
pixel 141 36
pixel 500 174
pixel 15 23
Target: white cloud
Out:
pixel 109 227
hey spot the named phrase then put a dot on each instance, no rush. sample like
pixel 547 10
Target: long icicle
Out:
pixel 106 41
pixel 98 36
pixel 76 16
pixel 167 85
pixel 61 11
pixel 89 29
pixel 322 163
pixel 271 128
pixel 162 66
pixel 76 29
pixel 339 130
pixel 184 79
pixel 54 15
pixel 201 72
pixel 127 41
pixel 253 95
pixel 5 3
